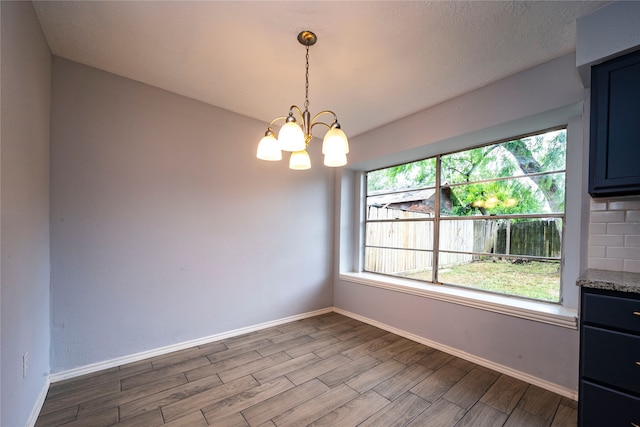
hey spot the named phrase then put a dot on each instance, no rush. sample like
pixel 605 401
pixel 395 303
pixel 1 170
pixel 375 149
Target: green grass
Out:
pixel 529 279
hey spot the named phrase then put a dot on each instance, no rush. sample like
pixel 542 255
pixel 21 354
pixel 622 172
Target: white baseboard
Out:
pixel 547 385
pixel 37 407
pixel 95 367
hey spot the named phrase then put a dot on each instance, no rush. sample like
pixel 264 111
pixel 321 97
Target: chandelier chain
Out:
pixel 306 87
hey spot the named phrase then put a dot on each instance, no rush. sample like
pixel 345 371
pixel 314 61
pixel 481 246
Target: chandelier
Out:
pixel 295 134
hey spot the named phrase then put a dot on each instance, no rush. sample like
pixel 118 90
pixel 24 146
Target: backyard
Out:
pixel 538 280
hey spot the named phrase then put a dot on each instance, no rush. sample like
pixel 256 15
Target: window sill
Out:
pixel 553 314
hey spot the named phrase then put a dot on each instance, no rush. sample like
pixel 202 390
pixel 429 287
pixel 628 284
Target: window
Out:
pixel 489 218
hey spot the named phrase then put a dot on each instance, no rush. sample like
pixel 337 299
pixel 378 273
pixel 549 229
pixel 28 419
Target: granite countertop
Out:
pixel 610 280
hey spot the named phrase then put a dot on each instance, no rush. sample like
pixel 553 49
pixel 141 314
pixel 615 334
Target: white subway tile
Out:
pixel 625 203
pixel 607 216
pixel 597 251
pixel 632 216
pixel 631 265
pixel 606 240
pixel 598 205
pixel 606 264
pixel 632 241
pixel 598 228
pixel 623 253
pixel 623 228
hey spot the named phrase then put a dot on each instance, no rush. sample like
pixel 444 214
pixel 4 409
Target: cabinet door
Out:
pixel 619 311
pixel 614 153
pixel 603 407
pixel 612 358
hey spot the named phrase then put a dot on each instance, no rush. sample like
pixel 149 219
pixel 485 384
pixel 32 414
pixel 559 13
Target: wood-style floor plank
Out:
pixel 345 372
pixel 222 365
pixel 201 400
pixel 125 396
pixel 328 370
pixel 166 397
pixel 521 418
pixel 353 412
pixel 566 416
pixel 398 413
pixel 305 374
pixel 285 367
pixel 160 373
pixel 482 415
pixel 438 383
pixel 59 417
pixel 246 399
pixel 466 392
pixel 255 366
pixel 270 408
pixel 309 411
pixel 440 414
pixel 194 419
pixel 402 381
pixel 540 402
pixel 374 376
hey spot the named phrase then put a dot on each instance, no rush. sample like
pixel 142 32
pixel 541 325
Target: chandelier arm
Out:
pixel 296 108
pixel 322 113
pixel 320 123
pixel 275 120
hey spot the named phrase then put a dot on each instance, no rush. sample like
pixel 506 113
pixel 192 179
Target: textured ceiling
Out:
pixel 374 61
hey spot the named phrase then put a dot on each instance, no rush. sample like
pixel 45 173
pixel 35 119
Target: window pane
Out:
pixel 539 237
pixel 537 194
pixel 401 234
pixel 399 262
pixel 534 154
pixel 406 204
pixel 538 280
pixel 499 222
pixel 414 175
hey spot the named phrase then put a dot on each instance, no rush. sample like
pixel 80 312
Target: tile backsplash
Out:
pixel 614 234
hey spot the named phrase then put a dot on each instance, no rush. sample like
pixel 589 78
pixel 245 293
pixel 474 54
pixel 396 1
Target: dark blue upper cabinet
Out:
pixel 614 153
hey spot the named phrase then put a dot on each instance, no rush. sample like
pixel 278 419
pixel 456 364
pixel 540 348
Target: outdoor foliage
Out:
pixel 510 162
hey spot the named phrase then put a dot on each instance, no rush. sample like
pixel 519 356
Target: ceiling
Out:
pixel 374 62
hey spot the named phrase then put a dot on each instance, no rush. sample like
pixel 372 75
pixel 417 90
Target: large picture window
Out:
pixel 489 218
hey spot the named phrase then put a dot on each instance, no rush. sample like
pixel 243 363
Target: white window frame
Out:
pixel 438 218
pixel 576 226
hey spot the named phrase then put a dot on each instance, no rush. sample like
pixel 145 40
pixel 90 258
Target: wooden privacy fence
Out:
pixel 414 240
pixel 539 237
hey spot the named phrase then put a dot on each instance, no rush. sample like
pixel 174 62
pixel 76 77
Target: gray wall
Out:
pixel 166 228
pixel 605 33
pixel 541 97
pixel 26 77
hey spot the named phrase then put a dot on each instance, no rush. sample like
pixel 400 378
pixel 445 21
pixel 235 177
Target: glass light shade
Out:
pixel 291 137
pixel 335 139
pixel 269 149
pixel 300 160
pixel 333 148
pixel 335 160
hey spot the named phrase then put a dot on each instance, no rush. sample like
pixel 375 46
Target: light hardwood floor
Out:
pixel 328 370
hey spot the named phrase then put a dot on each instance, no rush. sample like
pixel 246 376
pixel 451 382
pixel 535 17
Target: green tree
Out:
pixel 403 177
pixel 553 158
pixel 464 172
